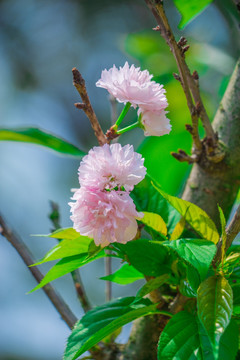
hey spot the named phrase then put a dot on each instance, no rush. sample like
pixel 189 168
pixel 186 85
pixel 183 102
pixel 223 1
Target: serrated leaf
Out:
pixel 180 338
pixel 148 257
pixel 178 230
pixel 197 252
pixel 228 346
pixel 184 338
pixel 155 222
pixel 215 300
pixel 65 266
pixel 151 285
pixel 104 320
pixel 66 248
pixel 127 274
pixel 194 215
pixel 229 342
pixel 41 137
pixel 190 9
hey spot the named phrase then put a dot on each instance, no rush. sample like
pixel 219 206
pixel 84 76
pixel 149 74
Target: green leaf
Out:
pixel 148 199
pixel 193 277
pixel 224 235
pixel 148 257
pixel 41 137
pixel 66 248
pixel 194 215
pixel 155 222
pixel 151 285
pixel 104 320
pixel 127 274
pixel 186 289
pixel 93 249
pixel 180 338
pixel 184 338
pixel 229 342
pixel 197 252
pixel 65 266
pixel 178 230
pixel 215 308
pixel 64 233
pixel 236 300
pixel 190 9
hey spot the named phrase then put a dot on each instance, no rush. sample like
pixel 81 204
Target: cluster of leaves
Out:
pixel 172 260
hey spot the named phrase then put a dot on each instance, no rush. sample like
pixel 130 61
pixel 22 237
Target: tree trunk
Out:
pixel 210 184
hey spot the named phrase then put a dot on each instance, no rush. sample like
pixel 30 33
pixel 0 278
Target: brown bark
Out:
pixel 210 184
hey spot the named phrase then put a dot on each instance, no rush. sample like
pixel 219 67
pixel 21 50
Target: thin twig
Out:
pixel 189 81
pixel 81 293
pixel 163 26
pixel 231 231
pixel 193 85
pixel 86 106
pixel 24 252
pixel 182 156
pixel 108 271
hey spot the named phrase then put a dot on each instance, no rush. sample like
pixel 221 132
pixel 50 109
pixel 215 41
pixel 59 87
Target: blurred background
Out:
pixel 40 42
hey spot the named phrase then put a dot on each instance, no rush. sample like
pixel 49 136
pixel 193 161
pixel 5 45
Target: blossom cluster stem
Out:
pixel 123 114
pixel 128 128
pixel 189 84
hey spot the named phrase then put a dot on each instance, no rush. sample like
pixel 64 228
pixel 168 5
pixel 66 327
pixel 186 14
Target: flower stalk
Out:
pixel 128 128
pixel 123 114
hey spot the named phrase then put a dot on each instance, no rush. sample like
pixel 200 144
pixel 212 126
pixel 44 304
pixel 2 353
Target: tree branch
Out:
pixel 163 26
pixel 188 81
pixel 86 106
pixel 23 251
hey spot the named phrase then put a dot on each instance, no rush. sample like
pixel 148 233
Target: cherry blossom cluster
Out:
pixel 131 85
pixel 103 208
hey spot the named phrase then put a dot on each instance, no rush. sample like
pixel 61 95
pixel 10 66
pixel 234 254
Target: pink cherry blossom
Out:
pixel 112 167
pixel 106 216
pixel 130 84
pixel 155 123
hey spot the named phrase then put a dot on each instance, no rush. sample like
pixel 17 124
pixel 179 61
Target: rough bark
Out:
pixel 209 184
